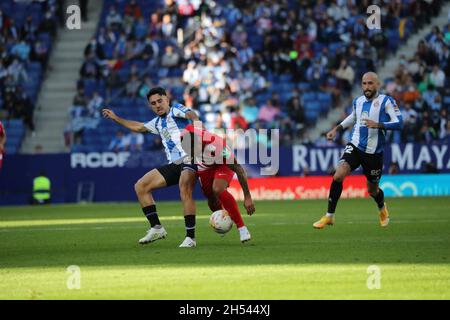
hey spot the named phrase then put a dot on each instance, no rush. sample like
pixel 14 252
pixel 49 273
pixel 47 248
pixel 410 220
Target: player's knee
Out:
pixel 218 190
pixel 338 177
pixel 140 187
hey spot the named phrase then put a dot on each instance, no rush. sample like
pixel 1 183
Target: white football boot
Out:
pixel 188 243
pixel 244 234
pixel 153 234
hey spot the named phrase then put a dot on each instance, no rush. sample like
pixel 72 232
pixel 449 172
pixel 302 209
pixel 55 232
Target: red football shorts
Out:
pixel 217 172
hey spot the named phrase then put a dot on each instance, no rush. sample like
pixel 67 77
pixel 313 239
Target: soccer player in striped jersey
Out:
pixel 168 124
pixel 216 168
pixel 373 113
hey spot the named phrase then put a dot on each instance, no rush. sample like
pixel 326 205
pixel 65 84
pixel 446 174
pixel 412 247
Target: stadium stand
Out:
pixel 218 56
pixel 27 30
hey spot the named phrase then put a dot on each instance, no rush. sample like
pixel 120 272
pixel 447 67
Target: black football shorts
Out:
pixel 171 172
pixel 372 164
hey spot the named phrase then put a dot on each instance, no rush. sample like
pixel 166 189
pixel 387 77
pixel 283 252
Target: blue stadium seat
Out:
pixel 393 39
pixel 14 123
pixel 325 101
pixel 108 49
pixel 304 86
pixel 36 66
pixel 175 72
pixel 89 86
pixel 446 101
pixel 11 149
pixel 309 96
pixel 311 116
pixel 312 106
pixel 286 78
pixel 333 47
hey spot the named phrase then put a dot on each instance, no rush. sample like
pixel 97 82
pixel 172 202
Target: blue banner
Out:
pixel 410 157
pixel 416 185
pixel 113 175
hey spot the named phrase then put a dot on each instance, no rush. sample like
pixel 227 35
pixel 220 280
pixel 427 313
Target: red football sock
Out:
pixel 230 204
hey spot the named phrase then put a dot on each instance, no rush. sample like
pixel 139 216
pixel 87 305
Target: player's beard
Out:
pixel 369 94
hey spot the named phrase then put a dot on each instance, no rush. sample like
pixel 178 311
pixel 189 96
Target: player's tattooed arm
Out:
pixel 242 177
pixel 129 124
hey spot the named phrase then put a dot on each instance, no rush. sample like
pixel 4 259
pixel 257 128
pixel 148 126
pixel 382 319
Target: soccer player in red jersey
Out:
pixel 2 143
pixel 216 168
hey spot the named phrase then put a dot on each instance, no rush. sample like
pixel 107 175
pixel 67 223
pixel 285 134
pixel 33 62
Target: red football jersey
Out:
pixel 214 149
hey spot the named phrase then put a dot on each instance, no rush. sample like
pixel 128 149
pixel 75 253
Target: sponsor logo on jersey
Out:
pixel 364 118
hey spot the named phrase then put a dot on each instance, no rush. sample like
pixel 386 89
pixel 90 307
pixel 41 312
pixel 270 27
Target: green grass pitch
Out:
pixel 286 259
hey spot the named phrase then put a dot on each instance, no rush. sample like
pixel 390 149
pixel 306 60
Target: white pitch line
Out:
pixel 4 230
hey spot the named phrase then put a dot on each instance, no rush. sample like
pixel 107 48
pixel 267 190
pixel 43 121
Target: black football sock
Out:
pixel 379 198
pixel 335 194
pixel 189 221
pixel 152 216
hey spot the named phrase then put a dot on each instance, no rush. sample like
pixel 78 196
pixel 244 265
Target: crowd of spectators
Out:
pixel 25 45
pixel 240 63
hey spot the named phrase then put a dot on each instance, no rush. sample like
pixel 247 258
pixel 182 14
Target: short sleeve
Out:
pixel 151 126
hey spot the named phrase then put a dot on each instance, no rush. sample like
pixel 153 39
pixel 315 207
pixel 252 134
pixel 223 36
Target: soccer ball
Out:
pixel 220 221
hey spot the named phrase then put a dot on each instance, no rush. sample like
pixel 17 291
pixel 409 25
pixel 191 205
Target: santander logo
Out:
pixel 399 191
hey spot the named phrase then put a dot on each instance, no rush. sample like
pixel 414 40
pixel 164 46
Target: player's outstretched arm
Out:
pixel 332 133
pixel 129 124
pixel 242 177
pixel 346 123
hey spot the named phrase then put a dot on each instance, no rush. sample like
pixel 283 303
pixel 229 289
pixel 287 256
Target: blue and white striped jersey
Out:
pixel 169 127
pixel 381 109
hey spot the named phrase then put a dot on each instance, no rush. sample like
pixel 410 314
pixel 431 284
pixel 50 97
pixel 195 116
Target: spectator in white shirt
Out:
pixel 191 75
pixel 94 105
pixel 117 143
pixel 17 71
pixel 437 77
pixel 133 141
pixel 409 114
pixel 167 27
pixel 113 19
